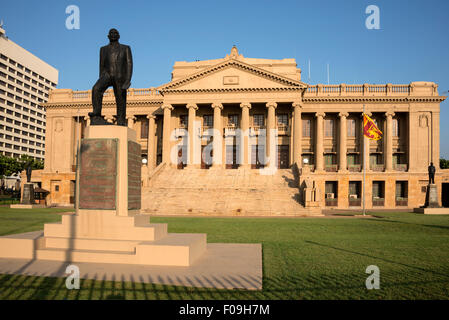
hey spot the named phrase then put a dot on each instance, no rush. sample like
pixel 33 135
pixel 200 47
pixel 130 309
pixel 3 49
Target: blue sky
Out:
pixel 411 45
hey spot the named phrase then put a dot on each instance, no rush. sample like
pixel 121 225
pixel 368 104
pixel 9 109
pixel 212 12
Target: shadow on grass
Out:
pixel 378 258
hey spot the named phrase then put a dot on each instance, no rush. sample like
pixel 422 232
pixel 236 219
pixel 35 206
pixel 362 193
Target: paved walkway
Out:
pixel 223 266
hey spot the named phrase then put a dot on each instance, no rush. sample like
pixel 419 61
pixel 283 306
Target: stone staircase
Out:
pixel 243 192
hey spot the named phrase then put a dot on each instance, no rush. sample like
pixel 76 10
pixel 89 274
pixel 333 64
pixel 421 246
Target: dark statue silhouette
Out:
pixel 431 169
pixel 116 66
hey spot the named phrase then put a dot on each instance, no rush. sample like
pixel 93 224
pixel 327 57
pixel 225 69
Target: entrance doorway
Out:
pixel 257 156
pixel 182 157
pixel 231 157
pixel 445 194
pixel 283 157
pixel 206 159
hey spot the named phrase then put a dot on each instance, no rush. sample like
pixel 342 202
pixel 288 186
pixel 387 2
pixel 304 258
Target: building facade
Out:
pixel 25 82
pixel 239 113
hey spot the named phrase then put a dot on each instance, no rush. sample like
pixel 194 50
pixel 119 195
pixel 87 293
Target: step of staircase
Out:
pixel 175 249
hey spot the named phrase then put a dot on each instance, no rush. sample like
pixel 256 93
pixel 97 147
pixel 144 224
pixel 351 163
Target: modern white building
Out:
pixel 25 82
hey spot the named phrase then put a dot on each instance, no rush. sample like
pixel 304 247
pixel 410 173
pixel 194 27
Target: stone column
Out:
pixel 166 133
pixel 218 136
pixel 435 147
pixel 413 123
pixel 244 128
pixel 271 135
pixel 297 134
pixel 388 149
pixel 151 142
pixel 342 145
pixel 131 120
pixel 192 107
pixel 319 149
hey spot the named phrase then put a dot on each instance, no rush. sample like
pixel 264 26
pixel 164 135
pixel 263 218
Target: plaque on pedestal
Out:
pixel 28 194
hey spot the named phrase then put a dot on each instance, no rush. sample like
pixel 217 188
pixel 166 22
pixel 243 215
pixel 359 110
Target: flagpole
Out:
pixel 364 160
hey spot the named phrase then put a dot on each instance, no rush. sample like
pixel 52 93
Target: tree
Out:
pixel 26 160
pixel 444 164
pixel 8 166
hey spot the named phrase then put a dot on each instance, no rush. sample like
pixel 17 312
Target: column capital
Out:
pixel 192 105
pixel 151 116
pixel 389 114
pixel 271 105
pixel 297 104
pixel 320 114
pixel 131 116
pixel 245 105
pixel 167 106
pixel 86 118
pixel 343 114
pixel 217 105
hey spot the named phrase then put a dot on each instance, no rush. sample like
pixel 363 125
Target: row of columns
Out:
pixel 218 128
pixel 271 106
pixel 388 136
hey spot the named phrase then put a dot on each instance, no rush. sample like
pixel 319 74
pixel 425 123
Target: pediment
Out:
pixel 232 75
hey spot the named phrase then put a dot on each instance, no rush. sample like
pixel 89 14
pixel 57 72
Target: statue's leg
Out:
pixel 120 99
pixel 97 94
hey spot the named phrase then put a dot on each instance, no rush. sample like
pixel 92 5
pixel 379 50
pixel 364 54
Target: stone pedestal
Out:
pixel 28 194
pixel 108 226
pixel 27 199
pixel 431 206
pixel 432 197
pixel 109 171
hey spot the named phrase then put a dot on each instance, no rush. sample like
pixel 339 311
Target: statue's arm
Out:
pixel 102 68
pixel 129 68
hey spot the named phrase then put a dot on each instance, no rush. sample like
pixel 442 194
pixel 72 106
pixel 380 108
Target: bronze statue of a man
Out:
pixel 431 170
pixel 116 67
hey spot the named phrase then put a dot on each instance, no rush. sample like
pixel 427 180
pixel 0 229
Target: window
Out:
pixel 283 119
pixel 395 128
pixel 378 193
pixel 233 120
pixel 208 120
pixel 306 128
pixel 183 120
pixel 331 196
pixel 259 120
pixel 329 128
pixel 354 193
pixel 401 190
pixel 351 127
pixel 143 128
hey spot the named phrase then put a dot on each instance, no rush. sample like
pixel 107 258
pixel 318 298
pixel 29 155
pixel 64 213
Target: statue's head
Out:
pixel 431 164
pixel 113 35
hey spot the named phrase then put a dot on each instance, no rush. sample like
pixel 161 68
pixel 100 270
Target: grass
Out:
pixel 303 258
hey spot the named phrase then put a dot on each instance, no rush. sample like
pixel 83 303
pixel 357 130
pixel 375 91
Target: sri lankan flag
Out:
pixel 370 129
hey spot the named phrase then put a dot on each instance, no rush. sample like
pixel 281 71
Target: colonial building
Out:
pixel 239 114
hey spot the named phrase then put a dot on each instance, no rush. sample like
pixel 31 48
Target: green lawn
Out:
pixel 303 258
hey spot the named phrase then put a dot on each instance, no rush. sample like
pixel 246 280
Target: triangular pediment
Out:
pixel 232 75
